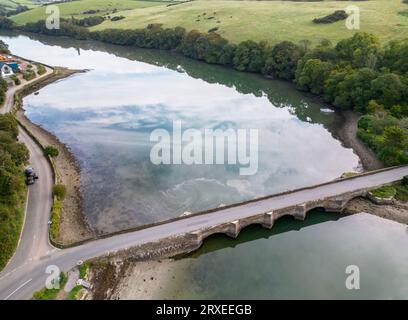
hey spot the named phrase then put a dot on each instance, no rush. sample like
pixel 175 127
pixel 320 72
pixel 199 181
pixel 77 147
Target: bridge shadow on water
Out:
pixel 284 224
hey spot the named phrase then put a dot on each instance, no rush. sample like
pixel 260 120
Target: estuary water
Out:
pixel 106 117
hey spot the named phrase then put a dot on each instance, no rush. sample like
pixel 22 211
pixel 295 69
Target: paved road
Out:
pixel 21 282
pixel 34 241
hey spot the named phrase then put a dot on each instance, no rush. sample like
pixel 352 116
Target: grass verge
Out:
pixel 11 223
pixel 55 218
pixel 51 294
pixel 385 192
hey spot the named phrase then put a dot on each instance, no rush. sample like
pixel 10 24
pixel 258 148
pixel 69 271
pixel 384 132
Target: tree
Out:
pixel 6 23
pixel 362 50
pixel 9 183
pixel 9 124
pixel 396 56
pixel 350 88
pixel 19 153
pixel 311 75
pixel 249 56
pixel 4 47
pixel 282 60
pixel 51 151
pixel 59 191
pixel 395 137
pixel 388 89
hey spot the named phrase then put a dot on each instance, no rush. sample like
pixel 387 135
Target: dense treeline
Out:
pixel 3 83
pixel 10 12
pixel 357 73
pixel 12 156
pixel 3 89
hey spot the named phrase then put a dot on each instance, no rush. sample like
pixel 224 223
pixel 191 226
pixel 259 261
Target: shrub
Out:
pixel 333 17
pixel 51 151
pixel 59 191
pixel 117 18
pixel 41 69
pixel 55 219
pixel 405 181
pixel 15 79
pixel 385 192
pixel 28 75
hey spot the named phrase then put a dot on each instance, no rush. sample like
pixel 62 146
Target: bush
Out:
pixel 405 181
pixel 333 17
pixel 51 151
pixel 59 191
pixel 28 75
pixel 4 47
pixel 41 69
pixel 384 192
pixel 88 21
pixel 117 18
pixel 55 219
pixel 15 79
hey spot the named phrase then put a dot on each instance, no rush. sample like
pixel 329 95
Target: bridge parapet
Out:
pixel 267 219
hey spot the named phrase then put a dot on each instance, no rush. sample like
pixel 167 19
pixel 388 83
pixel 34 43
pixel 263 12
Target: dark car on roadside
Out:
pixel 31 176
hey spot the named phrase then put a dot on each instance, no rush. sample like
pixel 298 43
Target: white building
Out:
pixel 5 70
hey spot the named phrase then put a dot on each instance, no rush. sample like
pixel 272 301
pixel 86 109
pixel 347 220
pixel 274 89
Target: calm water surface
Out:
pixel 300 260
pixel 106 116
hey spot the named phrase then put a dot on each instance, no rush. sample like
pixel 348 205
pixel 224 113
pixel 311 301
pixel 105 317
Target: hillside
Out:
pixel 241 20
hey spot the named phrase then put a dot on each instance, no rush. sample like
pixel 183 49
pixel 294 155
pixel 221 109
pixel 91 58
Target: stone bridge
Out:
pixel 334 203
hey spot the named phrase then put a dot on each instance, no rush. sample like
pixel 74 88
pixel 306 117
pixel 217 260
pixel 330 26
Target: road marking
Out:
pixel 6 298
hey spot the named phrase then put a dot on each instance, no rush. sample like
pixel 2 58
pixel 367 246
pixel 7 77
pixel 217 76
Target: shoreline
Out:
pixel 74 226
pixel 347 134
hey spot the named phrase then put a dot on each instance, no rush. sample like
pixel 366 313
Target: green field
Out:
pixel 76 9
pixel 242 20
pixel 12 4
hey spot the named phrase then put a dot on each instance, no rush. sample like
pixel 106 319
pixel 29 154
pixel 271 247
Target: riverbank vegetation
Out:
pixel 399 191
pixel 3 83
pixel 59 192
pixel 13 155
pixel 358 73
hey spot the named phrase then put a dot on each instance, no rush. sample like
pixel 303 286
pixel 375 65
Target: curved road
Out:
pixel 25 273
pixel 34 238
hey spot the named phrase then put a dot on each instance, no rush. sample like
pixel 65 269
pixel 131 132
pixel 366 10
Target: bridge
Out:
pixel 21 281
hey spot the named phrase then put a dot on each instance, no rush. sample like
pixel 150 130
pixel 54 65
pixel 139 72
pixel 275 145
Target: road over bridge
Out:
pixel 21 280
